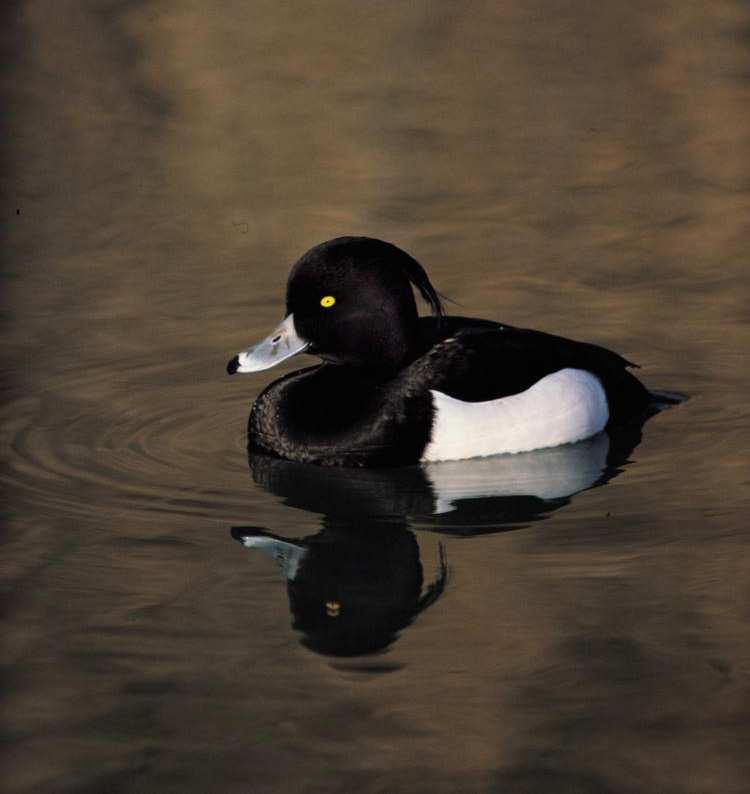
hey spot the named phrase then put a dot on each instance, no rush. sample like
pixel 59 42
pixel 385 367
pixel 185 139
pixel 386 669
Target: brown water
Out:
pixel 582 168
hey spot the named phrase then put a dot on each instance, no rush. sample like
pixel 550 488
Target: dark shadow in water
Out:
pixel 464 497
pixel 353 586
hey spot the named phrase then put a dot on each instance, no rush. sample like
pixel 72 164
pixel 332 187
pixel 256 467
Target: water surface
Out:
pixel 571 621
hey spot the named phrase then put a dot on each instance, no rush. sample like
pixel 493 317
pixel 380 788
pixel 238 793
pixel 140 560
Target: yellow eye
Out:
pixel 327 302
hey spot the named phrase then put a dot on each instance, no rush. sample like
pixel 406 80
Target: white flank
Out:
pixel 546 473
pixel 561 408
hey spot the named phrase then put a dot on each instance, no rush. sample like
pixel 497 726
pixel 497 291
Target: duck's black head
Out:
pixel 352 300
pixel 349 301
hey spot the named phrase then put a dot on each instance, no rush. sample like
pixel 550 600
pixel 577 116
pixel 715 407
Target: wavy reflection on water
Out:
pixel 358 582
pixel 351 588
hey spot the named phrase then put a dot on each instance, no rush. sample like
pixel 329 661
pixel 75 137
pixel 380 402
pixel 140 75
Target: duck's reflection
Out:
pixel 466 497
pixel 353 586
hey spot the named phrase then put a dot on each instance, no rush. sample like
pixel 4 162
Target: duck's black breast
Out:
pixel 348 416
pixel 342 416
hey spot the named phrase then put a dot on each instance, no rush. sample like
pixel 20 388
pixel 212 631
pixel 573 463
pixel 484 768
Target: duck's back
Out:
pixel 498 389
pixel 479 360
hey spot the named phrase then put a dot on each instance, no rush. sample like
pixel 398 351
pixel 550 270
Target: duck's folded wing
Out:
pixel 480 364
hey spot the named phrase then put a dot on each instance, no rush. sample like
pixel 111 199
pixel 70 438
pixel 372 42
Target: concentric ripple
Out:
pixel 148 437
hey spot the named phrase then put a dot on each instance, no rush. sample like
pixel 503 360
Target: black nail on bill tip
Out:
pixel 233 365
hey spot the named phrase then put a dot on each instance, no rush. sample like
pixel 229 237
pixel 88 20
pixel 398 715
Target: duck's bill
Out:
pixel 288 554
pixel 282 343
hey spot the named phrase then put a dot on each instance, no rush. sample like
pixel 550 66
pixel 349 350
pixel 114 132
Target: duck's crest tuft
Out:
pixel 416 274
pixel 381 250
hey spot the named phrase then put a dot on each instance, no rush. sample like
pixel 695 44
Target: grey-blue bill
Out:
pixel 282 343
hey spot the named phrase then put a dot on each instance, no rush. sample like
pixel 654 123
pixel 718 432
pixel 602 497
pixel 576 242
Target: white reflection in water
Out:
pixel 546 474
